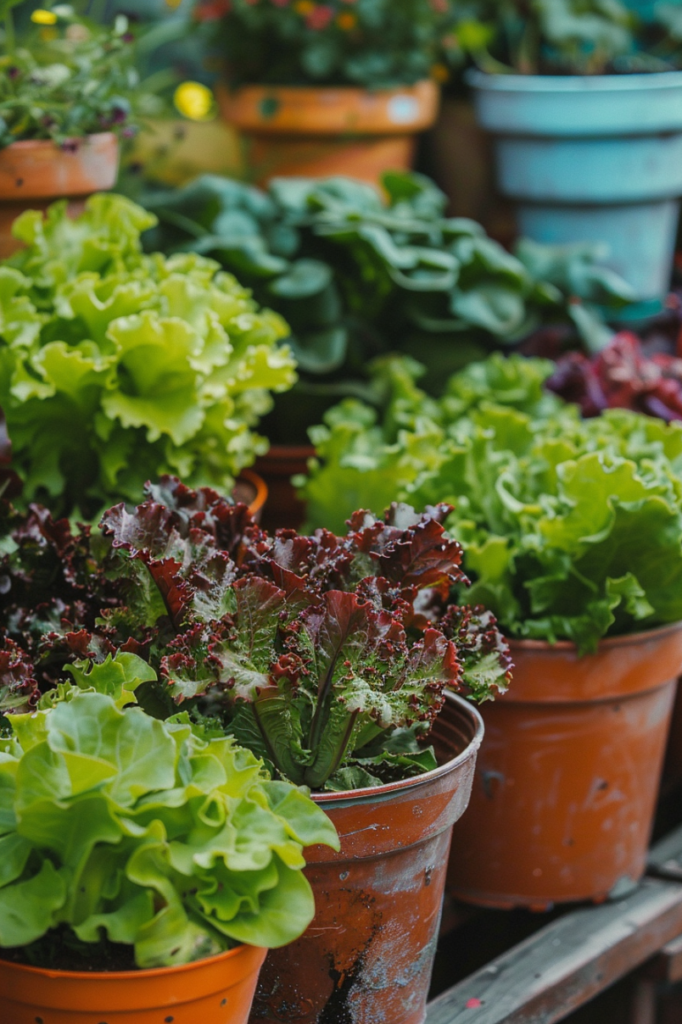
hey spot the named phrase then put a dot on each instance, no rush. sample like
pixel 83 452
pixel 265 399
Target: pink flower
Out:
pixel 320 17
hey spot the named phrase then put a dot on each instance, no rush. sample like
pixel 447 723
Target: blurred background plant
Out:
pixel 567 36
pixel 375 43
pixel 356 277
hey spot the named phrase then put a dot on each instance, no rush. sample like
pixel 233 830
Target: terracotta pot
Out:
pixel 215 991
pixel 281 463
pixel 252 490
pixel 34 173
pixel 368 955
pixel 568 776
pixel 315 132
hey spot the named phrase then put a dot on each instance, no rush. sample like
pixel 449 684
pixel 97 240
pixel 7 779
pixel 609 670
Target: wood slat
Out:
pixel 567 963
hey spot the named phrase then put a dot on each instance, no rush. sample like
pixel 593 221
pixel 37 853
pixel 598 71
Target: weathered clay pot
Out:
pixel 568 776
pixel 282 462
pixel 214 991
pixel 368 955
pixel 310 132
pixel 36 172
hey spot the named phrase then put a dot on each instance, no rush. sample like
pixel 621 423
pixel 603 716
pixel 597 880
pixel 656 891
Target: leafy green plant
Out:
pixel 373 43
pixel 116 367
pixel 326 656
pixel 356 277
pixel 567 36
pixel 572 528
pixel 66 80
pixel 159 835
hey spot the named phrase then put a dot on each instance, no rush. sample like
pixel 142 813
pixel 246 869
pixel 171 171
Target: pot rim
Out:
pixel 256 481
pixel 153 972
pixel 28 144
pixel 654 80
pixel 379 792
pixel 625 640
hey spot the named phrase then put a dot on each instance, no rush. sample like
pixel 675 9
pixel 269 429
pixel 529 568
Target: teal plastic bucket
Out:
pixel 592 159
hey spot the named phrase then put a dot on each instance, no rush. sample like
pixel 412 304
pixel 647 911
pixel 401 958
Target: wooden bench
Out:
pixel 581 954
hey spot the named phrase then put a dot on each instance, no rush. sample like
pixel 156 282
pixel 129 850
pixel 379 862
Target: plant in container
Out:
pixel 323 88
pixel 328 657
pixel 145 864
pixel 583 100
pixel 572 532
pixel 66 95
pixel 356 276
pixel 116 366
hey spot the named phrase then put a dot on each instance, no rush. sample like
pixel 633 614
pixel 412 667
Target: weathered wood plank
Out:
pixel 567 963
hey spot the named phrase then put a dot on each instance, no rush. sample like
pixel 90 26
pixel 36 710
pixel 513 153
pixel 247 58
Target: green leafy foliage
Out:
pixel 374 43
pixel 321 654
pixel 572 528
pixel 160 836
pixel 355 277
pixel 567 36
pixel 116 367
pixel 67 80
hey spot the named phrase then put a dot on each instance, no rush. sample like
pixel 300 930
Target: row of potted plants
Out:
pixel 572 536
pixel 135 659
pixel 582 100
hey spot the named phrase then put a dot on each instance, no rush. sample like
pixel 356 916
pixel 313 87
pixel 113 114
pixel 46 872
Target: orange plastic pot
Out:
pixel 567 780
pixel 368 955
pixel 36 172
pixel 215 991
pixel 315 132
pixel 285 510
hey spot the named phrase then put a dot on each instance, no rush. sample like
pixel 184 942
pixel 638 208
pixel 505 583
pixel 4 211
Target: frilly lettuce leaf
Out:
pixel 572 528
pixel 117 367
pixel 166 840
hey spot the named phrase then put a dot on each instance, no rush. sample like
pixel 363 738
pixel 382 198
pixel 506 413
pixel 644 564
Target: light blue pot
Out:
pixel 595 159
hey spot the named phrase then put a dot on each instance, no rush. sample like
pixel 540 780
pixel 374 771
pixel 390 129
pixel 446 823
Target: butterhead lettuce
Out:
pixel 155 834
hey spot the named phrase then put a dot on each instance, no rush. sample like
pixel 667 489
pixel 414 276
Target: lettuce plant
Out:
pixel 160 836
pixel 327 656
pixel 356 276
pixel 116 366
pixel 572 528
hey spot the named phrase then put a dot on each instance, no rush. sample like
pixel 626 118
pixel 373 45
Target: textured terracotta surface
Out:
pixel 568 775
pixel 314 133
pixel 35 173
pixel 215 991
pixel 368 955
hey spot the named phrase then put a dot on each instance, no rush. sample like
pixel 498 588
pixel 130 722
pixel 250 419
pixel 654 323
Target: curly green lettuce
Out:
pixel 158 835
pixel 117 367
pixel 572 529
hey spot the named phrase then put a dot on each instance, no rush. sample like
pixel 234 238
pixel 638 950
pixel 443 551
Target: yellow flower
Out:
pixel 173 4
pixel 304 7
pixel 347 21
pixel 440 73
pixel 41 17
pixel 195 101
